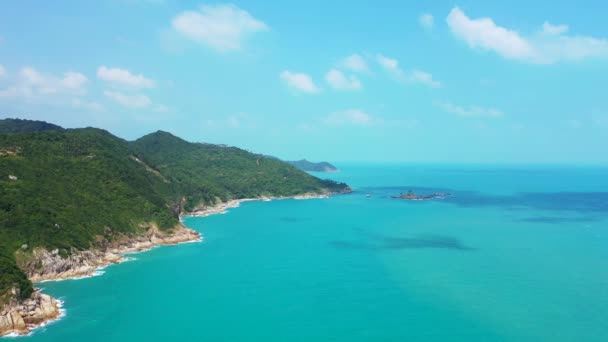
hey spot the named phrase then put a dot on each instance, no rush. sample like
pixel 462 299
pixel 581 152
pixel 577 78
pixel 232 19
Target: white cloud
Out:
pixel 419 76
pixel 73 80
pixel 548 28
pixel 548 45
pixel 391 65
pixel 426 20
pixel 300 81
pixel 484 33
pixel 473 111
pixel 222 27
pixel 388 63
pixel 337 80
pixel 131 101
pixel 124 77
pixel 31 83
pixel 353 117
pixel 355 63
pixel 2 71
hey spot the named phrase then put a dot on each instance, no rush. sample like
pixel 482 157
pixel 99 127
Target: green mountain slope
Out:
pixel 20 125
pixel 210 173
pixel 75 188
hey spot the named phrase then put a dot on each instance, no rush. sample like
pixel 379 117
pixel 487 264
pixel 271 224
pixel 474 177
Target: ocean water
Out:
pixel 516 254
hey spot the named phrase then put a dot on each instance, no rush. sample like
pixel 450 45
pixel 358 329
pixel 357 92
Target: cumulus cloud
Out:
pixel 222 27
pixel 124 77
pixel 351 117
pixel 388 63
pixel 355 63
pixel 128 100
pixel 472 111
pixel 31 83
pixel 391 65
pixel 549 45
pixel 299 81
pixel 426 20
pixel 548 28
pixel 423 77
pixel 337 80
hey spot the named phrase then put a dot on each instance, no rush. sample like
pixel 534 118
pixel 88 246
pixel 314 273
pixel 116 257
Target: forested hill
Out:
pixel 67 188
pixel 19 125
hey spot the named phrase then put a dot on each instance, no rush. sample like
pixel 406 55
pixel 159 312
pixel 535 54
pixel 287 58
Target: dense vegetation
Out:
pixel 66 189
pixel 306 165
pixel 210 173
pixel 19 125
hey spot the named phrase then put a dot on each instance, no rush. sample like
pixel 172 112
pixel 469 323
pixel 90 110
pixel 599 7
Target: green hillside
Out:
pixel 67 188
pixel 209 173
pixel 20 125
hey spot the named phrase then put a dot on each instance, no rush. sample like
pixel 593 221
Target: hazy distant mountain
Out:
pixel 306 165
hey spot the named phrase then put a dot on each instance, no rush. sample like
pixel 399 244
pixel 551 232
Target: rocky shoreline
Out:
pixel 20 317
pixel 223 207
pixel 47 265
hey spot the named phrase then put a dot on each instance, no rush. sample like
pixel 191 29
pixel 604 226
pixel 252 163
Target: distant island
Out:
pixel 74 200
pixel 411 196
pixel 306 165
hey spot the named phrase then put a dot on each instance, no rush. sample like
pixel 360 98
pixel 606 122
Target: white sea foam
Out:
pixel 34 328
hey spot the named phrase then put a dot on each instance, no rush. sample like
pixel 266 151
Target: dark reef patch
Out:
pixel 379 242
pixel 572 202
pixel 581 202
pixel 559 220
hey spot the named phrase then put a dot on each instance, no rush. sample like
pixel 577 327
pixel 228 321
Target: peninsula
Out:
pixel 74 200
pixel 306 165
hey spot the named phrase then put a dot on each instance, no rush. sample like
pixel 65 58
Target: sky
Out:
pixel 382 81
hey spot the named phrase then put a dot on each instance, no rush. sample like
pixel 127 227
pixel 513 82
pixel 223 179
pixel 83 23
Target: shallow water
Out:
pixel 516 254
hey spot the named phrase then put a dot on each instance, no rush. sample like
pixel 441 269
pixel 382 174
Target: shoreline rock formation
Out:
pixel 20 317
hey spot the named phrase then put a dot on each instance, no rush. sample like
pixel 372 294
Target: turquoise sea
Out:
pixel 519 253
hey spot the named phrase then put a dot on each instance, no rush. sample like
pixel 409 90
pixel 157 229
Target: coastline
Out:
pixel 222 208
pixel 19 318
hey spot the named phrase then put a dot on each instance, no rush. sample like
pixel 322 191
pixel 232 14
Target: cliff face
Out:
pixel 20 317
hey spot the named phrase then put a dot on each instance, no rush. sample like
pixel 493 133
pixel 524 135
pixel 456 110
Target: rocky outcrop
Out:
pixel 21 316
pixel 44 265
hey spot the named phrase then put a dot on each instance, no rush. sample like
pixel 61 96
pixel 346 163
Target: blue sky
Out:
pixel 418 81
